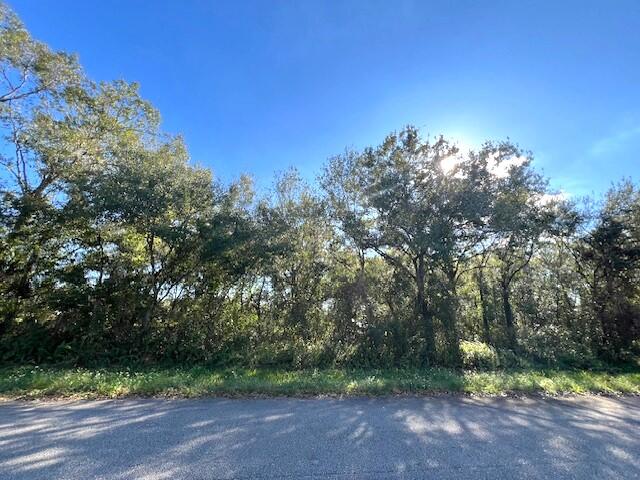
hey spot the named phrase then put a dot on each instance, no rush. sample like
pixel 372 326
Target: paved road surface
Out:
pixel 587 437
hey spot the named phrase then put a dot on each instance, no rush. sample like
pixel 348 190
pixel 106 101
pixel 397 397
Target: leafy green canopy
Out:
pixel 114 247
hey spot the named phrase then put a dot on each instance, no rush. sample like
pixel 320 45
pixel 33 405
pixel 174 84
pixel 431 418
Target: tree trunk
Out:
pixel 424 314
pixel 363 290
pixel 147 318
pixel 450 321
pixel 483 303
pixel 508 314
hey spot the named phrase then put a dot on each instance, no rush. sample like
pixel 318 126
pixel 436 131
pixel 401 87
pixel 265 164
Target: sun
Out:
pixel 448 164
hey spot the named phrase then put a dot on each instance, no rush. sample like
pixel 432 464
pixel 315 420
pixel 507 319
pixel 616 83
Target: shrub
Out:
pixel 478 355
pixel 509 359
pixel 552 345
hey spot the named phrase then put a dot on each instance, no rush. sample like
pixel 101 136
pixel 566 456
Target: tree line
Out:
pixel 115 248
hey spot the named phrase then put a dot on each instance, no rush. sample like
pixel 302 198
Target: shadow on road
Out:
pixel 583 437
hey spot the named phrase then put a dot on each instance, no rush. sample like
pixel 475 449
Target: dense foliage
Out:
pixel 115 248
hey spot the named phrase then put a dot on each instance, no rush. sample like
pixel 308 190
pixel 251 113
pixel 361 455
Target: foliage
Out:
pixel 478 355
pixel 116 249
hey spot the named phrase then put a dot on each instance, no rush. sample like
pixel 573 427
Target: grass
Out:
pixel 42 382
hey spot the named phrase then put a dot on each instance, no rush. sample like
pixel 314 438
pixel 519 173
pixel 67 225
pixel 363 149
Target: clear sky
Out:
pixel 259 86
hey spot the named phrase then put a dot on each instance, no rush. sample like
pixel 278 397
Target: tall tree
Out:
pixel 610 255
pixel 524 211
pixel 424 219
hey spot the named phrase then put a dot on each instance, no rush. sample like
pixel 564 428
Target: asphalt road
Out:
pixel 443 437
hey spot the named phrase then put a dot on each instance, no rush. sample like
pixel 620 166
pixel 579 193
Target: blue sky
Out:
pixel 259 86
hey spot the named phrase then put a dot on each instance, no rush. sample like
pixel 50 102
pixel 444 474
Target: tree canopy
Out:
pixel 115 247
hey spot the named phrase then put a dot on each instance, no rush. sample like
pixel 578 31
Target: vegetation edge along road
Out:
pixel 118 248
pixel 55 382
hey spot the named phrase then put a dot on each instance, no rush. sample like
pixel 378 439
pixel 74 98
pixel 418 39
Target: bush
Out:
pixel 552 346
pixel 478 355
pixel 509 359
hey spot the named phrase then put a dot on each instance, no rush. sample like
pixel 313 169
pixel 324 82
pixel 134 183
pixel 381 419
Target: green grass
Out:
pixel 41 382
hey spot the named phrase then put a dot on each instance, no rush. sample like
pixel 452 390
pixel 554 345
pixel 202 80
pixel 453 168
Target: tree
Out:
pixel 114 246
pixel 343 185
pixel 610 255
pixel 523 212
pixel 424 221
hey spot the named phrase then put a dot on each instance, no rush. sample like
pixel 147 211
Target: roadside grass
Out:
pixel 32 382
